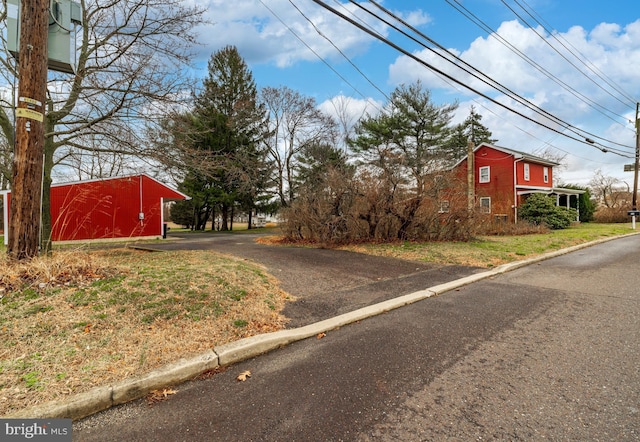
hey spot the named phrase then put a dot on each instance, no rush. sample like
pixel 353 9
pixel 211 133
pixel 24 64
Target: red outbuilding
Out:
pixel 505 177
pixel 110 208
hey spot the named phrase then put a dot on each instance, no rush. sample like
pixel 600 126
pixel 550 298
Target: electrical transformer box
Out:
pixel 64 15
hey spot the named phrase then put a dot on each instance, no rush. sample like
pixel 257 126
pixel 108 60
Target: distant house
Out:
pixel 111 208
pixel 505 177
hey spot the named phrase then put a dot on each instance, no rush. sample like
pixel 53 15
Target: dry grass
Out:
pixel 77 320
pixel 482 251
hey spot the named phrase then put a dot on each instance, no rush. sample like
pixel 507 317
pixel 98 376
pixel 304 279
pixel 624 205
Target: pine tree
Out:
pixel 470 129
pixel 231 124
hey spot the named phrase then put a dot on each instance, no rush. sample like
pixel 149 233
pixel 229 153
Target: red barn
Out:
pixel 504 177
pixel 121 207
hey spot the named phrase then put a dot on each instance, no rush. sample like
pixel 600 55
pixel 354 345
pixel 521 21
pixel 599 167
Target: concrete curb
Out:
pixel 101 398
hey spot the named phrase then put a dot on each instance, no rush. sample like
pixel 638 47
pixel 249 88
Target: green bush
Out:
pixel 583 202
pixel 541 209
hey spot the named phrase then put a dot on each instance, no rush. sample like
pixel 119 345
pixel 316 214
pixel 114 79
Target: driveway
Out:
pixel 325 282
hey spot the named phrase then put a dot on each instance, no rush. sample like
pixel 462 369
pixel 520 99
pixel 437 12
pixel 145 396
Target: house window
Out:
pixel 526 172
pixel 485 204
pixel 546 174
pixel 444 207
pixel 484 174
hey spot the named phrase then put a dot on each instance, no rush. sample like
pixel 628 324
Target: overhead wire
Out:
pixel 444 76
pixel 494 34
pixel 630 103
pixel 311 49
pixel 375 86
pixel 454 86
pixel 480 76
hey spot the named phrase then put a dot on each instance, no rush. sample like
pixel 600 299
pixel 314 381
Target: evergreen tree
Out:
pixel 230 125
pixel 316 161
pixel 409 137
pixel 470 129
pixel 404 146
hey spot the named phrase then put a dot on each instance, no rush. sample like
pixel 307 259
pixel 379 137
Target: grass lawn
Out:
pixel 84 318
pixel 77 320
pixel 489 251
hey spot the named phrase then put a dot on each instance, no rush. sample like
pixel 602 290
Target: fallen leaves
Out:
pixel 321 335
pixel 243 376
pixel 160 395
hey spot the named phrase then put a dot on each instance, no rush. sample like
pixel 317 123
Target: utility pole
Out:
pixel 471 194
pixel 26 187
pixel 637 162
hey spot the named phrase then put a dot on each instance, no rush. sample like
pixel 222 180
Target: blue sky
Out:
pixel 595 89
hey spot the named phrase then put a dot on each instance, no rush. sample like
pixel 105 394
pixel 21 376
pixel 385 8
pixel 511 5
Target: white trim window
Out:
pixel 484 174
pixel 545 174
pixel 527 173
pixel 485 204
pixel 444 206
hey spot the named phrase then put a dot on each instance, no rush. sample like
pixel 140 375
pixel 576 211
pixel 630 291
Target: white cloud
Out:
pixel 607 50
pixel 349 109
pixel 262 31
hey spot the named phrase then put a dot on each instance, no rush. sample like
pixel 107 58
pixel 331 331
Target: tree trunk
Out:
pixel 224 214
pixel 26 189
pixel 47 226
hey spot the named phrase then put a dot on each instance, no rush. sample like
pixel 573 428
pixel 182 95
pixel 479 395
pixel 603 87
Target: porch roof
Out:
pixel 525 190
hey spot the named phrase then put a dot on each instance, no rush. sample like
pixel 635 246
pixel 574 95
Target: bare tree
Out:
pixel 295 122
pixel 347 113
pixel 609 191
pixel 130 58
pixel 557 157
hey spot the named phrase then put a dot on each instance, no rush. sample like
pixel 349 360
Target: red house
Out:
pixel 121 207
pixel 504 177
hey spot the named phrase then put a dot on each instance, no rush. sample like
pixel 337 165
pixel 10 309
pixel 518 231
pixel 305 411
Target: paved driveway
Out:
pixel 325 282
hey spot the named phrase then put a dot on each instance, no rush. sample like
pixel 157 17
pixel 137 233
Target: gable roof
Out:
pixel 172 194
pixel 518 155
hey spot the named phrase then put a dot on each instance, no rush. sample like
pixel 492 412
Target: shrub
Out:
pixel 489 225
pixel 584 203
pixel 541 209
pixel 612 215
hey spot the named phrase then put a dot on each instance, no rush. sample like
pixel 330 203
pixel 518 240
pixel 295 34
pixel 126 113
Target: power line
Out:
pixel 341 53
pixel 486 79
pixel 603 77
pixel 494 34
pixel 310 48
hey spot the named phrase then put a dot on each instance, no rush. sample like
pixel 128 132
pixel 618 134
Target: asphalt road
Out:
pixel 549 351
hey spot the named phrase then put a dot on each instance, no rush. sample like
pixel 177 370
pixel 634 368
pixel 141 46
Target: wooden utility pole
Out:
pixel 471 194
pixel 26 188
pixel 637 161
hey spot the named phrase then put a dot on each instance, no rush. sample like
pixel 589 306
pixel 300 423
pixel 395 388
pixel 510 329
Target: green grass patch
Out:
pixel 489 251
